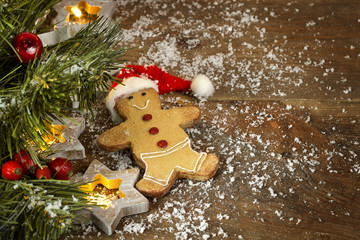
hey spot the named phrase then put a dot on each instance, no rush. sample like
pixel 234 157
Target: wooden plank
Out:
pixel 258 50
pixel 339 121
pixel 279 178
pixel 284 118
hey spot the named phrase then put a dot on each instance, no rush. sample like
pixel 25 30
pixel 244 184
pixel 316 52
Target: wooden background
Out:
pixel 284 119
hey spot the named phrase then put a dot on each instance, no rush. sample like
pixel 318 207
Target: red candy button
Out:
pixel 162 143
pixel 147 117
pixel 154 130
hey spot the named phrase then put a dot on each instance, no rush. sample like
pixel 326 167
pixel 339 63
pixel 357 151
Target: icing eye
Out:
pixel 144 93
pixel 130 97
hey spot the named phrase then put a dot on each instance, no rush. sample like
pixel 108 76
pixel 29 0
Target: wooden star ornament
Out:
pixel 130 202
pixel 69 147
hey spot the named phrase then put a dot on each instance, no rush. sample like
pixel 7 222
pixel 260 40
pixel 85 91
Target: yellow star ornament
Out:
pixel 106 178
pixel 82 13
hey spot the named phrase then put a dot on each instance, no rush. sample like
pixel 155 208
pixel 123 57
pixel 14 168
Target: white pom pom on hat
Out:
pixel 202 86
pixel 138 77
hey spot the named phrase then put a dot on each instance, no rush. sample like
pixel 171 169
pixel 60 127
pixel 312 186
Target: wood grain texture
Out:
pixel 284 119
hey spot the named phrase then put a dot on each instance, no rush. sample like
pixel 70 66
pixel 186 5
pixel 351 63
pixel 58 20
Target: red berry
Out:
pixel 43 173
pixel 28 46
pixel 61 168
pixel 25 160
pixel 11 170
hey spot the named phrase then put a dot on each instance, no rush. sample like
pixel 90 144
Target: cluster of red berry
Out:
pixel 59 168
pixel 28 47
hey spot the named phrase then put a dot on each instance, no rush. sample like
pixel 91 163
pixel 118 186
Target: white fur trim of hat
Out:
pixel 131 85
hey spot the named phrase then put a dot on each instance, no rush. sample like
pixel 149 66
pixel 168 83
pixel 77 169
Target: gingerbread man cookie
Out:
pixel 156 136
pixel 158 141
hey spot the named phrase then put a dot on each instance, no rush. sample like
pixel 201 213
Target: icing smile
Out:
pixel 145 106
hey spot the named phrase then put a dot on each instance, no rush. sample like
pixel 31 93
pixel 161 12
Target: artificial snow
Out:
pixel 178 52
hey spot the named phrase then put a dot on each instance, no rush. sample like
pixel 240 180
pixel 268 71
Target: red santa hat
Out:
pixel 137 77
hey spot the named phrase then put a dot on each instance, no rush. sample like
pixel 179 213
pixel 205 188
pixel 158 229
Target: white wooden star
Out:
pixel 65 30
pixel 133 202
pixel 71 148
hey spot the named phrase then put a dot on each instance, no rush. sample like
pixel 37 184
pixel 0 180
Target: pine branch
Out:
pixel 73 69
pixel 31 97
pixel 38 209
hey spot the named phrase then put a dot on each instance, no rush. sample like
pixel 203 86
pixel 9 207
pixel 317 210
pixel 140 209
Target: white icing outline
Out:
pixel 145 106
pixel 175 148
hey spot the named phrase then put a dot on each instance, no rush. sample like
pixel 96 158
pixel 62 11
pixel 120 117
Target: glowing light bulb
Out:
pixel 76 11
pixel 82 13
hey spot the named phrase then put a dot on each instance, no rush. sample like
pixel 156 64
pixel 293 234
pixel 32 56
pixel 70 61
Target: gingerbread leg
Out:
pixel 152 189
pixel 206 170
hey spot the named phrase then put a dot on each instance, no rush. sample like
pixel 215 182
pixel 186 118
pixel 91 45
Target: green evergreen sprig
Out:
pixel 38 209
pixel 32 96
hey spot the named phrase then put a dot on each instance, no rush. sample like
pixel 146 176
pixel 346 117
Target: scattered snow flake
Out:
pixel 272 193
pixel 135 228
pixel 310 23
pixel 347 91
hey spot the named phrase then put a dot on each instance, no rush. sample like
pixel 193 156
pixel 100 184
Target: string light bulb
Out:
pixel 76 11
pixel 82 13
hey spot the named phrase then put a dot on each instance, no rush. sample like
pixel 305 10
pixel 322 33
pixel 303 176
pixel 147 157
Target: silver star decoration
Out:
pixel 133 202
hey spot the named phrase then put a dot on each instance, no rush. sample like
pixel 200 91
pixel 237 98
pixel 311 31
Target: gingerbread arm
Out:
pixel 186 116
pixel 115 138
